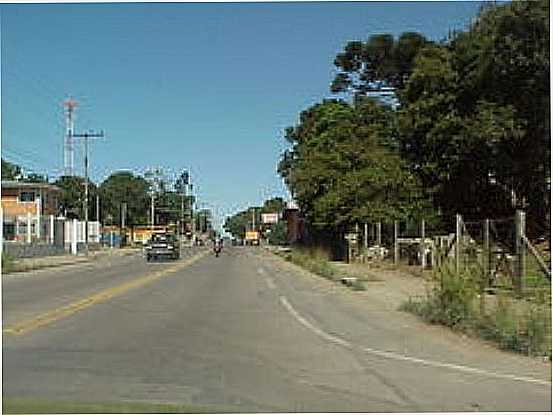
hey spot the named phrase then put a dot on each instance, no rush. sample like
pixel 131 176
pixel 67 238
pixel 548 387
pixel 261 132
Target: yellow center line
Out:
pixel 102 296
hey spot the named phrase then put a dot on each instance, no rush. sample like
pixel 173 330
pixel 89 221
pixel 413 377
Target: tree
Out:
pixel 72 196
pixel 504 59
pixel 239 223
pixel 380 62
pixel 277 233
pixel 474 114
pixel 124 187
pixel 10 171
pixel 342 168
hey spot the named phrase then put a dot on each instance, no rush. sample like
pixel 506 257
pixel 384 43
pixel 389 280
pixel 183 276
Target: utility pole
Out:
pixel 98 209
pixel 86 136
pixel 68 151
pixel 180 187
pixel 154 178
pixel 123 220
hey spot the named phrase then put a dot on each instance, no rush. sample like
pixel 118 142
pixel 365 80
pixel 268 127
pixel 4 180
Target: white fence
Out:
pixel 75 231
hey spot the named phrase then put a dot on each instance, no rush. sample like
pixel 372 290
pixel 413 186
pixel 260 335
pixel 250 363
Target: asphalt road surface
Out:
pixel 244 332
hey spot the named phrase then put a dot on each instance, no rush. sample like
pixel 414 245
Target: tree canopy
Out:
pixel 470 133
pixel 342 168
pixel 72 196
pixel 124 187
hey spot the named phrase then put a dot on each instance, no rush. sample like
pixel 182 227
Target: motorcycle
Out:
pixel 217 250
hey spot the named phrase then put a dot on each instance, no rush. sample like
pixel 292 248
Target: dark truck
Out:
pixel 162 245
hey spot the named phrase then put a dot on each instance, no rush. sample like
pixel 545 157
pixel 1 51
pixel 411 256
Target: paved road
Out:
pixel 244 332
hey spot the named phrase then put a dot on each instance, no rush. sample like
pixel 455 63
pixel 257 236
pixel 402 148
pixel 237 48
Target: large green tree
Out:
pixel 473 111
pixel 342 168
pixel 124 187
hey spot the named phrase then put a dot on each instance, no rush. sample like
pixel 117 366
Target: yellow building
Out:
pixel 27 203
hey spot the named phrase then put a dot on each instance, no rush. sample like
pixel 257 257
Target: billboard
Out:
pixel 267 218
pixel 252 235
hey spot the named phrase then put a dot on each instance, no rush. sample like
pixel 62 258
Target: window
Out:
pixel 27 197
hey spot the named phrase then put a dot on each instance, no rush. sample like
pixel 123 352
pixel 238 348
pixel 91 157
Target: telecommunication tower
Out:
pixel 68 147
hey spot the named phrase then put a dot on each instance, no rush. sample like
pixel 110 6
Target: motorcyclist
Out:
pixel 217 245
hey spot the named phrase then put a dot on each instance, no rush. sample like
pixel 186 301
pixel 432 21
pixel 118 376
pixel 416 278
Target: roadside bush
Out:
pixel 516 325
pixel 315 260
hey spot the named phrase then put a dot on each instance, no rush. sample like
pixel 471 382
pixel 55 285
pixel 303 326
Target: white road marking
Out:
pixel 270 283
pixel 396 356
pixel 315 329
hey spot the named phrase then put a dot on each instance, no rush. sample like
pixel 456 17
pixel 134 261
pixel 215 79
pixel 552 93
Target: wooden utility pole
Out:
pixel 520 223
pixel 458 225
pixel 396 243
pixel 423 245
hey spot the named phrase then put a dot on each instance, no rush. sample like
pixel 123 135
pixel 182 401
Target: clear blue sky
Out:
pixel 209 86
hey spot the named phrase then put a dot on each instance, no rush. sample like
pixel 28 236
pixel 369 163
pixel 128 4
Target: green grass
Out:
pixel 317 261
pixel 34 406
pixel 520 325
pixel 314 260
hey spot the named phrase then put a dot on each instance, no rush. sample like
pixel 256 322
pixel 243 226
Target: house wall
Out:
pixel 12 206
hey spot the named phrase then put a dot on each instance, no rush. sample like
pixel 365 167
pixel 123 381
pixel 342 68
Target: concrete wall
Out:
pixel 18 250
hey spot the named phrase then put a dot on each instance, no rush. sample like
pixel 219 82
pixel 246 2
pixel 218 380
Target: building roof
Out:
pixel 13 184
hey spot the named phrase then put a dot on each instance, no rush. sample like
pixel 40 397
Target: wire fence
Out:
pixel 497 248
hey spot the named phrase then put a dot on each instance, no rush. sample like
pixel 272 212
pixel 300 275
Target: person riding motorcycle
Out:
pixel 217 246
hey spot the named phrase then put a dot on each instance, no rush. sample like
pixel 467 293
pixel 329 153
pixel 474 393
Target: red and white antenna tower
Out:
pixel 68 148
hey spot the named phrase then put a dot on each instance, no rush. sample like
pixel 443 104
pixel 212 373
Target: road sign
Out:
pixel 269 218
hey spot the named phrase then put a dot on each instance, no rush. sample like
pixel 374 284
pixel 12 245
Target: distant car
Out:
pixel 162 246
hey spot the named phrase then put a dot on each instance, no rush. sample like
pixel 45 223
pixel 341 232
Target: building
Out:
pixel 295 231
pixel 28 210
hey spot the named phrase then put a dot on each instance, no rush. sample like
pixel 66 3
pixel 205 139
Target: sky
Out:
pixel 205 86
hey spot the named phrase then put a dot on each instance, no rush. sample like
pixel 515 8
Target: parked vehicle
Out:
pixel 162 245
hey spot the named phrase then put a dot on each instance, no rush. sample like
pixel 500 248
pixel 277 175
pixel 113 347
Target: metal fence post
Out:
pixel 379 233
pixel 458 222
pixel 422 245
pixel 396 243
pixel 520 224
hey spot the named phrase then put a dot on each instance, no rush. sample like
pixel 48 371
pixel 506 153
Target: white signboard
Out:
pixel 269 217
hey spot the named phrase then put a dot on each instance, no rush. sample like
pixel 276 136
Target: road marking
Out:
pixel 270 283
pixel 102 296
pixel 459 368
pixel 396 356
pixel 313 328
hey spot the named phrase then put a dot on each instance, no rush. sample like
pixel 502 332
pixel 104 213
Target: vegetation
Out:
pixel 314 260
pixel 466 132
pixel 10 171
pixel 124 187
pixel 72 197
pixel 239 223
pixel 7 263
pixel 456 301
